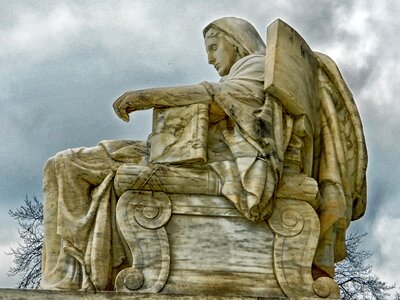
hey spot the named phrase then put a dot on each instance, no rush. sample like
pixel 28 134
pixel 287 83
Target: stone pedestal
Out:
pixel 15 294
pixel 196 245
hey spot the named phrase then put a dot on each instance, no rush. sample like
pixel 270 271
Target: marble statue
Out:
pixel 245 187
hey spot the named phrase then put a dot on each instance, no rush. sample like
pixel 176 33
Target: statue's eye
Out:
pixel 213 47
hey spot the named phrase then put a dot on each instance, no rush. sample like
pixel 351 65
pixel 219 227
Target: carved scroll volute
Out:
pixel 141 216
pixel 286 221
pixel 296 227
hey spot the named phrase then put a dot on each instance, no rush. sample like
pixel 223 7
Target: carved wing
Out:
pixel 340 116
pixel 323 135
pixel 323 117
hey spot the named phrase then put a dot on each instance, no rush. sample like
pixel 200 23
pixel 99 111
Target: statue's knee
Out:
pixel 51 163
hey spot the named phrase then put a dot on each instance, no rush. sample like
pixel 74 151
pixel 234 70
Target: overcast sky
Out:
pixel 63 63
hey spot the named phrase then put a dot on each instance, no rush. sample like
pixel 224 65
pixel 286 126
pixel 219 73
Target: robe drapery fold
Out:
pixel 82 245
pixel 257 164
pixel 245 152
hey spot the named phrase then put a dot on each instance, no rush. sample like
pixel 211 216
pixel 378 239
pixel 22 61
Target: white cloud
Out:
pixel 372 48
pixel 39 33
pixel 386 235
pixel 63 62
pixel 356 23
pixel 8 239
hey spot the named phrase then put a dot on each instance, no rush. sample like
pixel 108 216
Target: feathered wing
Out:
pixel 342 163
pixel 351 134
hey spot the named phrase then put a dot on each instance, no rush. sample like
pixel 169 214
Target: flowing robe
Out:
pixel 82 249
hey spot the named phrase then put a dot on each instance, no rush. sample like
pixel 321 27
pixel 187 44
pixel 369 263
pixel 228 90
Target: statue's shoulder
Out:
pixel 249 67
pixel 252 59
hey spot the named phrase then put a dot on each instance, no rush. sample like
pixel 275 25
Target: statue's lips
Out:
pixel 216 66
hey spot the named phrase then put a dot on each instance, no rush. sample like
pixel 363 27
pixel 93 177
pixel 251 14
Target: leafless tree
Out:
pixel 28 255
pixel 354 275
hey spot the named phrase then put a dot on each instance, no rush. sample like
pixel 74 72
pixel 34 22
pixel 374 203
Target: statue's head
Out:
pixel 228 40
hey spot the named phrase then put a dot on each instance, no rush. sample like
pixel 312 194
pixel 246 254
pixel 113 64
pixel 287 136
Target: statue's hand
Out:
pixel 130 102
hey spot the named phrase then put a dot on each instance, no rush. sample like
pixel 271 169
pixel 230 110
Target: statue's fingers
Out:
pixel 124 116
pixel 116 106
pixel 118 112
pixel 123 111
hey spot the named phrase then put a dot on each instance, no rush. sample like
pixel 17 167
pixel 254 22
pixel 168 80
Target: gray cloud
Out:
pixel 65 63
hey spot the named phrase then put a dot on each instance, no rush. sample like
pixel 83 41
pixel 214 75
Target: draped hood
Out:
pixel 240 31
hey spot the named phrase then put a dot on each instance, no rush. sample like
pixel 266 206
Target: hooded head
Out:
pixel 241 31
pixel 229 39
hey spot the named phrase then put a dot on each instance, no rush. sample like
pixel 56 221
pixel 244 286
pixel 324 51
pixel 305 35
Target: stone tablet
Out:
pixel 290 70
pixel 180 134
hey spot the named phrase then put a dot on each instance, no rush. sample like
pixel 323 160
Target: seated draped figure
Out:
pixel 251 140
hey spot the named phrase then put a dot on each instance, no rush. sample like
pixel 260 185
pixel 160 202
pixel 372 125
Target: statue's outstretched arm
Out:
pixel 160 97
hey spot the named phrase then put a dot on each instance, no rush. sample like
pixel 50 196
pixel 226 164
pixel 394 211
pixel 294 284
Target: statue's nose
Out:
pixel 211 58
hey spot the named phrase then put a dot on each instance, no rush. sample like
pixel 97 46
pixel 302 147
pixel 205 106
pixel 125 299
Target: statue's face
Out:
pixel 221 53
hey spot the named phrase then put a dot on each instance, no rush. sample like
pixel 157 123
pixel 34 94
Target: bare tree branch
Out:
pixel 353 274
pixel 28 255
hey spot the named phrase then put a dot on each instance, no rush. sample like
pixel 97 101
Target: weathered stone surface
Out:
pixel 179 134
pixel 245 188
pixel 287 53
pixel 14 294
